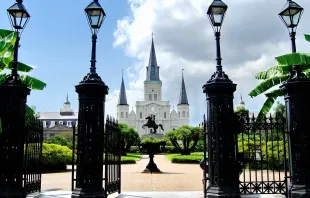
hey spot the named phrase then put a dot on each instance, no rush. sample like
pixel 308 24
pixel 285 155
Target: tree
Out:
pixel 129 137
pixel 7 43
pixel 189 137
pixel 278 74
pixel 279 110
pixel 242 112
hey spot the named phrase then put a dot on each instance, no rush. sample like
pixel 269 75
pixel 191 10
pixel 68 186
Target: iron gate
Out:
pixel 112 156
pixel 32 156
pixel 263 147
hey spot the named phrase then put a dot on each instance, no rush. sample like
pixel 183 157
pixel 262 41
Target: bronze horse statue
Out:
pixel 151 124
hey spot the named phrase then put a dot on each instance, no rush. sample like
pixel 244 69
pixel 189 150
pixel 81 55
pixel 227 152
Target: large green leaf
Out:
pixel 7 57
pixel 265 109
pixel 22 67
pixel 272 71
pixel 275 93
pixel 267 84
pixel 7 39
pixel 32 83
pixel 307 37
pixel 307 72
pixel 3 77
pixel 288 60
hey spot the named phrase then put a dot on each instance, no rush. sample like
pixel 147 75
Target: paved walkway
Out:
pixel 175 177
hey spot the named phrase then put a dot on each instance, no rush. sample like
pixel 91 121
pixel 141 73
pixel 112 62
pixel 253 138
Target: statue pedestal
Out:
pixel 151 148
pixel 151 167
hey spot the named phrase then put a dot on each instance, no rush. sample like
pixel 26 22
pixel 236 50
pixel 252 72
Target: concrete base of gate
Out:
pixel 184 194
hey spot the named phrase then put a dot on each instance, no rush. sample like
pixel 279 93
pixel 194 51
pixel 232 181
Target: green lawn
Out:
pixel 193 158
pixel 131 158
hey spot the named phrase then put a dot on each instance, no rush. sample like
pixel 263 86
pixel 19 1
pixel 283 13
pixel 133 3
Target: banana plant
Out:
pixel 276 75
pixel 7 44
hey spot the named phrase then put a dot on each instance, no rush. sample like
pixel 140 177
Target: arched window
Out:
pixel 126 114
pixel 140 115
pixel 179 114
pixel 122 114
pixel 165 115
pixel 155 97
pixel 187 114
pixel 183 114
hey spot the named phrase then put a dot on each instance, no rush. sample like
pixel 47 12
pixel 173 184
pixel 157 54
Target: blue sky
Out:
pixel 57 40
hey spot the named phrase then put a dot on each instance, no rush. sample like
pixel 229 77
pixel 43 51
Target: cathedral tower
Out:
pixel 152 84
pixel 122 106
pixel 183 106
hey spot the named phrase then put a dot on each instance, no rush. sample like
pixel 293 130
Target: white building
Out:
pixel 153 103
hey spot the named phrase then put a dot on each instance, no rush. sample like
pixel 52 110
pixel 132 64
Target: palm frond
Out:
pixel 32 83
pixel 275 93
pixel 21 67
pixel 267 84
pixel 307 37
pixel 272 71
pixel 265 109
pixel 288 60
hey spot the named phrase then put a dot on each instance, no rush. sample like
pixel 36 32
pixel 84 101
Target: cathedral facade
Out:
pixel 153 103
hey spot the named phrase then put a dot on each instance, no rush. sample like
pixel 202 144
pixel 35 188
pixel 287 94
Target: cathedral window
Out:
pixel 44 124
pixel 155 97
pixel 122 114
pixel 153 70
pixel 150 97
pixel 187 114
pixel 126 114
pixel 183 114
pixel 140 115
pixel 165 115
pixel 179 114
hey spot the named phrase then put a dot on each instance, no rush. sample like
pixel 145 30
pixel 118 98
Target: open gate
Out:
pixel 263 147
pixel 112 156
pixel 111 163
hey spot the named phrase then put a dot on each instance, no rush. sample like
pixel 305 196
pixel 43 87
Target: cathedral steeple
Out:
pixel 152 70
pixel 183 95
pixel 122 100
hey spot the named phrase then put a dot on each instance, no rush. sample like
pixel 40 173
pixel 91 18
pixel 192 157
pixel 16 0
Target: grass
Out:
pixel 193 158
pixel 131 158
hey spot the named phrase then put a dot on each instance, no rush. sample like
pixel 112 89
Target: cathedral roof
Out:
pixel 152 68
pixel 241 101
pixel 67 100
pixel 122 100
pixel 183 95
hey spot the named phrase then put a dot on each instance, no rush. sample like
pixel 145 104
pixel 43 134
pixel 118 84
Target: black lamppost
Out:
pixel 19 18
pixel 92 92
pixel 297 96
pixel 219 90
pixel 290 15
pixel 13 97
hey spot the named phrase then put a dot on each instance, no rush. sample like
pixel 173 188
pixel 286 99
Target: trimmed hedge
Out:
pixel 194 158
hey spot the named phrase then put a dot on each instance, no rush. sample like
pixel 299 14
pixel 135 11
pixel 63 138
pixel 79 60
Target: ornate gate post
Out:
pixel 13 97
pixel 90 145
pixel 223 169
pixel 297 103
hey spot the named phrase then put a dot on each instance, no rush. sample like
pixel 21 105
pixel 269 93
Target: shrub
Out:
pixel 194 158
pixel 55 157
pixel 153 140
pixel 134 149
pixel 171 149
pixel 60 141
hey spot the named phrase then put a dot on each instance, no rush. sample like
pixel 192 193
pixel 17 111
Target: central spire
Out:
pixel 152 70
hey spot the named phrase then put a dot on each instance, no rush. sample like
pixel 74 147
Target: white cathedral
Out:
pixel 153 103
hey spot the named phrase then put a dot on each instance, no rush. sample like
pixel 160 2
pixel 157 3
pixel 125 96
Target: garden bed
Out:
pixel 131 158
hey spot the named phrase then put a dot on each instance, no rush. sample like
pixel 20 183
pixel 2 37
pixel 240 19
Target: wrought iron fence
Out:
pixel 263 146
pixel 112 156
pixel 32 156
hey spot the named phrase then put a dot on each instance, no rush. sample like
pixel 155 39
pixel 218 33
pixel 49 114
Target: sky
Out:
pixel 57 41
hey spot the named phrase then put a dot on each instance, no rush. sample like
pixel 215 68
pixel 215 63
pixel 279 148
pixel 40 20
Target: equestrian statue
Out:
pixel 151 123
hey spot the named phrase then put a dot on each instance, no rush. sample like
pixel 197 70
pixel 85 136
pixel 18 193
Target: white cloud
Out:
pixel 252 35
